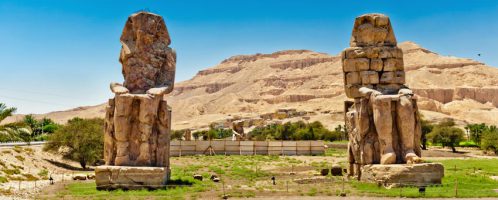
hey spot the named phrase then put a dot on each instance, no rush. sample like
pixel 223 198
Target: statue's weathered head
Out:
pixel 372 30
pixel 373 60
pixel 147 60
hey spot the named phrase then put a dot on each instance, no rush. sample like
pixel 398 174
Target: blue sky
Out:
pixel 57 55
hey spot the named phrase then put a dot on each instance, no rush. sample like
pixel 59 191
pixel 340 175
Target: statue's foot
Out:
pixel 122 161
pixel 388 158
pixel 412 158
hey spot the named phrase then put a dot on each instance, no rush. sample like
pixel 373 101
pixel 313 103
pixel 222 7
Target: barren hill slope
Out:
pixel 250 85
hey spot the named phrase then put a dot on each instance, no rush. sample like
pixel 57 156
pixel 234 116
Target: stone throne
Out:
pixel 138 119
pixel 382 120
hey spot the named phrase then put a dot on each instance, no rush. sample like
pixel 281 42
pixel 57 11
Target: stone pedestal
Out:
pixel 125 177
pixel 408 175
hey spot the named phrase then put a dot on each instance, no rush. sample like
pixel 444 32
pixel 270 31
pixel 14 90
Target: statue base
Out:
pixel 131 178
pixel 400 175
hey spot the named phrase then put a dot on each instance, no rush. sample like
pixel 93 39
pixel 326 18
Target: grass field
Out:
pixel 250 176
pixel 462 178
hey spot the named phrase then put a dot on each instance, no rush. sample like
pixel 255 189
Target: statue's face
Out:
pixel 373 30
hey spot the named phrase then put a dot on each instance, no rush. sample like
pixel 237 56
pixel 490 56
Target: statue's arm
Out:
pixel 159 90
pixel 368 92
pixel 405 91
pixel 117 88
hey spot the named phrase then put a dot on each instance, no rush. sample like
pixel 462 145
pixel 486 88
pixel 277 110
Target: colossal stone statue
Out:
pixel 383 121
pixel 138 119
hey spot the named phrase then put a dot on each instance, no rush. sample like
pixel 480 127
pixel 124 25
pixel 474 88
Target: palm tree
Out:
pixel 11 131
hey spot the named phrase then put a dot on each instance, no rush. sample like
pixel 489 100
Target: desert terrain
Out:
pixel 247 86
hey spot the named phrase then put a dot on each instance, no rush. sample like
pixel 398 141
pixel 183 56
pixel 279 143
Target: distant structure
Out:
pixel 138 119
pixel 383 122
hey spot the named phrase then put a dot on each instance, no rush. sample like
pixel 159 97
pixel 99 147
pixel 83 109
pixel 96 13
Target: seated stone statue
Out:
pixel 138 119
pixel 382 122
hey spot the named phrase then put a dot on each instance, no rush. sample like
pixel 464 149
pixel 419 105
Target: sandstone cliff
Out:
pixel 249 85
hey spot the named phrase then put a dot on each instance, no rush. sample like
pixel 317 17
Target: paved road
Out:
pixel 11 144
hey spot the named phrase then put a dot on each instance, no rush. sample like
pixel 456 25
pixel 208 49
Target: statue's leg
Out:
pixel 147 117
pixel 383 124
pixel 406 123
pixel 163 136
pixel 109 141
pixel 122 127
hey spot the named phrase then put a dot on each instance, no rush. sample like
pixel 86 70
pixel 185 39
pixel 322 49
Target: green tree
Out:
pixel 476 131
pixel 82 140
pixel 447 135
pixel 489 140
pixel 426 127
pixel 177 134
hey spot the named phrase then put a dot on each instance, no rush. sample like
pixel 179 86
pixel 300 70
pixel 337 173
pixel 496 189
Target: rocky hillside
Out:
pixel 250 85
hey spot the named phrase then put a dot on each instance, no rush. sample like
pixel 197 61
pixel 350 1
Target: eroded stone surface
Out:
pixel 115 177
pixel 138 119
pixel 147 60
pixel 403 175
pixel 383 124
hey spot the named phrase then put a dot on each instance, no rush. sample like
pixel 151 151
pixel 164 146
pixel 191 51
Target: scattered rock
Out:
pixel 324 172
pixel 216 180
pixel 90 176
pixel 79 177
pixel 198 177
pixel 336 170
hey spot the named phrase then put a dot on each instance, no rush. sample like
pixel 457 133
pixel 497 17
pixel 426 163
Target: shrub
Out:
pixel 3 179
pixel 11 171
pixel 43 173
pixel 489 141
pixel 20 158
pixel 295 131
pixel 82 139
pixel 447 135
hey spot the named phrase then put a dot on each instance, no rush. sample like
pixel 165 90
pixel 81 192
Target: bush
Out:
pixel 295 131
pixel 177 134
pixel 447 135
pixel 489 140
pixel 82 140
pixel 43 173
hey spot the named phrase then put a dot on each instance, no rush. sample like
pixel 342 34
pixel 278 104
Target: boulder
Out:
pixel 198 177
pixel 324 172
pixel 90 176
pixel 336 170
pixel 79 177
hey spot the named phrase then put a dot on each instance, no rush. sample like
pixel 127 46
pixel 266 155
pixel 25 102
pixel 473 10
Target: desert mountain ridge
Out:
pixel 250 85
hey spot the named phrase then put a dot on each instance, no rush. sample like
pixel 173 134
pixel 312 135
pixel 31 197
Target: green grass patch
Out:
pixel 181 185
pixel 471 179
pixel 11 171
pixel 43 173
pixel 88 190
pixel 340 142
pixel 3 179
pixel 335 152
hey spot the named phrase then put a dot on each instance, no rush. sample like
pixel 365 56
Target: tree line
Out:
pixel 446 134
pixel 26 130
